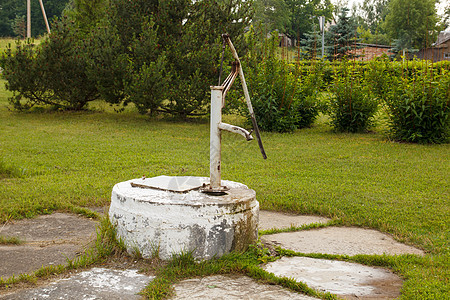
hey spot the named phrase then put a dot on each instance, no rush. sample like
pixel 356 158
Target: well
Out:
pixel 173 217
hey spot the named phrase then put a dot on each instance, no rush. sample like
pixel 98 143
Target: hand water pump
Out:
pixel 218 94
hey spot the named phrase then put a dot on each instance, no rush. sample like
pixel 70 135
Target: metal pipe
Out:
pixel 236 129
pixel 215 137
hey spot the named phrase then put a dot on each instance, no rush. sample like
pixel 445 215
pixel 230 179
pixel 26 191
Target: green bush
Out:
pixel 352 105
pixel 419 108
pixel 22 76
pixel 283 98
pixel 53 73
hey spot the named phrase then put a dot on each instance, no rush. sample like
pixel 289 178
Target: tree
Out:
pixel 52 73
pixel 8 12
pixel 373 13
pixel 312 44
pixel 11 9
pixel 163 55
pixel 304 14
pixel 446 16
pixel 86 13
pixel 272 14
pixel 412 22
pixel 342 37
pixel 19 26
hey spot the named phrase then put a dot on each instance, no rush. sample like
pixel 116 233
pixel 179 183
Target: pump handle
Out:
pixel 226 38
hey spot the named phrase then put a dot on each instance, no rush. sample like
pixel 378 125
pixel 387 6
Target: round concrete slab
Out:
pixel 340 240
pixel 232 287
pixel 349 280
pixel 277 220
pixel 97 283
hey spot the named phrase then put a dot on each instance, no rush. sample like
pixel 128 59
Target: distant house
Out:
pixel 439 50
pixel 366 52
pixel 283 39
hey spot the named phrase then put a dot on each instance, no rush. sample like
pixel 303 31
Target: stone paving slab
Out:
pixel 15 260
pixel 349 280
pixel 49 240
pixel 272 219
pixel 97 283
pixel 232 287
pixel 340 240
pixel 57 226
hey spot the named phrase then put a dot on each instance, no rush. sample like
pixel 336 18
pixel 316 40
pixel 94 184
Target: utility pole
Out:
pixel 44 15
pixel 28 18
pixel 322 29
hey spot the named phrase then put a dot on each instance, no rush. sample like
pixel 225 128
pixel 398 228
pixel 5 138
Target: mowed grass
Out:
pixel 71 160
pixel 7 42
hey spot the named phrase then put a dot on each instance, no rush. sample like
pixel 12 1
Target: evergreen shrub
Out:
pixel 53 73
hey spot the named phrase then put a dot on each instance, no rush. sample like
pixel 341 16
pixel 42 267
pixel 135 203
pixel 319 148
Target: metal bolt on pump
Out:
pixel 218 94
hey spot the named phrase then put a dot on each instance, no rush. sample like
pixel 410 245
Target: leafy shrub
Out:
pixel 352 105
pixel 419 108
pixel 283 99
pixel 379 75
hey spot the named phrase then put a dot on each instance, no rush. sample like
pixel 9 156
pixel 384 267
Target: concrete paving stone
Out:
pixel 348 280
pixel 340 240
pixel 272 219
pixel 49 240
pixel 232 287
pixel 54 227
pixel 15 260
pixel 97 283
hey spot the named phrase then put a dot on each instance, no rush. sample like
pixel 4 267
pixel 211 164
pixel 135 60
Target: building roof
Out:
pixel 443 37
pixel 374 45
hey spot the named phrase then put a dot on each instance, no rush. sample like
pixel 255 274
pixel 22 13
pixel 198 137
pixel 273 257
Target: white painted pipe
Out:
pixel 215 137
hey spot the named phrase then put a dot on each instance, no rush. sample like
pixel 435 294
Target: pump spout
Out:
pixel 236 129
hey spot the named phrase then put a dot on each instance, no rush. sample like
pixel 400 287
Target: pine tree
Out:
pixel 311 45
pixel 342 37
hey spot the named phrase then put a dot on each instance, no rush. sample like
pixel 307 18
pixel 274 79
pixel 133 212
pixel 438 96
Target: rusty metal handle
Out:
pixel 226 38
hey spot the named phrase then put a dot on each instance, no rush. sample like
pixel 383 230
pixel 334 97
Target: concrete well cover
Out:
pixel 179 184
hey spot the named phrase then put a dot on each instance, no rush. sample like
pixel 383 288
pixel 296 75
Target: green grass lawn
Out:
pixel 6 42
pixel 66 160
